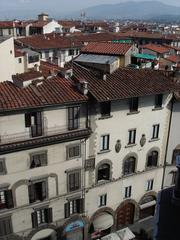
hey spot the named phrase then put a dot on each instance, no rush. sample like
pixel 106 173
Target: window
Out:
pixel 19 60
pixel 158 100
pixel 71 52
pixel 174 176
pixel 89 164
pixel 35 58
pixel 34 121
pixel 132 136
pixel 133 104
pixel 38 191
pixel 73 118
pixel 6 199
pixel 41 216
pixel 38 159
pixel 74 181
pixel 5 227
pixel 105 109
pixel 104 172
pixel 104 143
pixel 127 192
pixel 73 206
pixel 102 200
pixel 9 31
pixel 2 166
pixel 152 159
pixel 155 134
pixel 73 151
pixel 129 165
pixel 149 185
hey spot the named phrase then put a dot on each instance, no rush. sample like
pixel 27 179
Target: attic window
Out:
pixel 105 109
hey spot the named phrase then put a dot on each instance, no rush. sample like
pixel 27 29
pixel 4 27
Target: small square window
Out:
pixel 73 151
pixel 105 109
pixel 38 159
pixel 104 143
pixel 102 200
pixel 127 193
pixel 132 136
pixel 20 60
pixel 149 185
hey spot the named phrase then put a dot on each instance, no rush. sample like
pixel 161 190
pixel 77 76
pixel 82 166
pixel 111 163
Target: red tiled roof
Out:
pixel 67 24
pixel 39 24
pixel 6 24
pixel 18 53
pixel 173 58
pixel 27 76
pixel 156 48
pixel 107 48
pixel 47 68
pixel 124 83
pixel 49 41
pixel 54 91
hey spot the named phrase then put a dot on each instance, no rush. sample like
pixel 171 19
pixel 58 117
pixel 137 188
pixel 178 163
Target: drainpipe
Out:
pixel 167 144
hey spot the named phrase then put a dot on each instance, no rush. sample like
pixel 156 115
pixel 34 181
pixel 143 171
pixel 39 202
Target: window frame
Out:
pixel 2 161
pixel 68 157
pixel 153 159
pixel 104 142
pixel 149 184
pixel 4 229
pixel 133 104
pixel 73 117
pixel 132 136
pixel 155 133
pixel 43 162
pixel 102 200
pixel 109 173
pixel 158 101
pixel 105 105
pixel 74 188
pixel 128 191
pixel 128 165
pixel 44 194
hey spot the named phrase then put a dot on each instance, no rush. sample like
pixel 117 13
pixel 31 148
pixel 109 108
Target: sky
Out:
pixel 16 7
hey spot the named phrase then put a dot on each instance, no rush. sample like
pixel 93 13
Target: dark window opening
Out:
pixel 73 206
pixel 6 199
pixel 133 104
pixel 34 121
pixel 158 100
pixel 132 136
pixel 104 172
pixel 74 181
pixel 38 160
pixel 129 165
pixel 37 191
pixel 73 118
pixel 41 216
pixel 155 131
pixel 33 59
pixel 105 109
pixel 152 159
pixel 104 143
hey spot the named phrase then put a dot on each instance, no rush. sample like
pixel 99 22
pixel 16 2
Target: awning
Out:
pixel 103 222
pixel 144 56
pixel 148 204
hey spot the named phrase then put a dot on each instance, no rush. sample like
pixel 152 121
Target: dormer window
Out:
pixel 133 104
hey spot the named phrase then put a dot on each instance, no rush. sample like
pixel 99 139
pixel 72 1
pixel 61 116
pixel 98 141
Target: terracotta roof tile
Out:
pixel 54 91
pixel 173 58
pixel 124 83
pixel 156 48
pixel 30 75
pixel 107 48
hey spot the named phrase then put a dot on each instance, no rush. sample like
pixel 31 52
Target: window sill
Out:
pixel 130 145
pixel 105 117
pixel 154 139
pixel 157 108
pixel 134 112
pixel 101 182
pixel 104 151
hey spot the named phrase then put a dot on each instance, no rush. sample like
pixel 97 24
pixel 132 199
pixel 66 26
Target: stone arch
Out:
pixel 133 154
pixel 34 231
pixel 157 149
pixel 147 205
pixel 105 161
pixel 123 204
pixel 151 193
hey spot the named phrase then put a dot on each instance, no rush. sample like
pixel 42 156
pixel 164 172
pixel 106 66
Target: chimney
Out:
pixel 176 191
pixel 104 76
pixel 83 87
pixel 36 67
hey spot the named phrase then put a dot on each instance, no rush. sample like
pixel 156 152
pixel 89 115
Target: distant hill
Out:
pixel 132 10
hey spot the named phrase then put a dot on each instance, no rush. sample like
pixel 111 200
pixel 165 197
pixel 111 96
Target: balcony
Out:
pixel 24 140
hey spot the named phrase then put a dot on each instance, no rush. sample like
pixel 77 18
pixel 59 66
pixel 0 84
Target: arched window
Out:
pixel 129 165
pixel 104 172
pixel 152 159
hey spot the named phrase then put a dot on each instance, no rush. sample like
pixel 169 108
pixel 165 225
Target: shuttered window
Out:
pixel 41 216
pixel 6 199
pixel 38 191
pixel 34 121
pixel 133 104
pixel 73 151
pixel 73 117
pixel 38 159
pixel 155 133
pixel 152 159
pixel 2 166
pixel 73 206
pixel 74 181
pixel 102 200
pixel 129 165
pixel 5 226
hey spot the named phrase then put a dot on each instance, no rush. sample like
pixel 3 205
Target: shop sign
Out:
pixel 74 225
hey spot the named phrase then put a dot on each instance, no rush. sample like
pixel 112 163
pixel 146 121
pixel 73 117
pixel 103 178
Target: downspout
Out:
pixel 167 144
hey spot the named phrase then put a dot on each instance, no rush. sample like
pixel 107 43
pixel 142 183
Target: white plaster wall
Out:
pixel 7 65
pixel 20 67
pixel 51 27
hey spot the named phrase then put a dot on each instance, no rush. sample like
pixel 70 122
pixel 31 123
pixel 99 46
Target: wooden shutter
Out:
pixel 66 210
pixel 44 190
pixel 34 220
pixel 27 119
pixel 9 199
pixel 43 159
pixel 32 194
pixel 71 181
pixel 80 205
pixel 38 122
pixel 48 214
pixel 77 180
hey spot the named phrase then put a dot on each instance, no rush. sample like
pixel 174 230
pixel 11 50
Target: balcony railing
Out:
pixel 52 131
